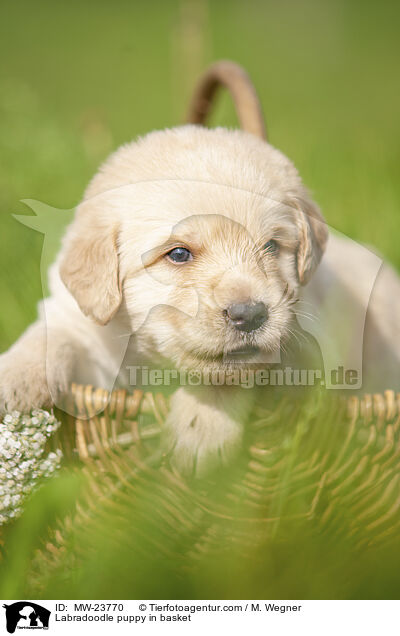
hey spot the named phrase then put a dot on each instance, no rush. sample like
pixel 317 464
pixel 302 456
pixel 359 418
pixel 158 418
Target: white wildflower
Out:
pixel 23 459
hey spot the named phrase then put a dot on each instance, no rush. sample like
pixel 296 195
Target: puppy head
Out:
pixel 198 240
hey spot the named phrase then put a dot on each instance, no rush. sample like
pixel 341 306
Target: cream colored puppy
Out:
pixel 190 250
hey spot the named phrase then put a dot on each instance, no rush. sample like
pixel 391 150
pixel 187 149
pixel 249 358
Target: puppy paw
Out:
pixel 23 384
pixel 200 435
pixel 29 380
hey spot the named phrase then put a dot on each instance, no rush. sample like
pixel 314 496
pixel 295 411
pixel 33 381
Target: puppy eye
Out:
pixel 271 247
pixel 179 255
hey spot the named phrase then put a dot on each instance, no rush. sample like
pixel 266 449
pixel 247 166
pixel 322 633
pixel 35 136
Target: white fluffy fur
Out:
pixel 223 194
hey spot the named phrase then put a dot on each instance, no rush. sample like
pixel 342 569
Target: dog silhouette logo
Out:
pixel 26 615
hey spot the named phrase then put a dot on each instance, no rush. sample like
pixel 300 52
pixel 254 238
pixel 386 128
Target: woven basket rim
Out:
pixel 87 398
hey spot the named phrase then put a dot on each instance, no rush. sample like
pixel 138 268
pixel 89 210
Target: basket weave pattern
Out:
pixel 325 465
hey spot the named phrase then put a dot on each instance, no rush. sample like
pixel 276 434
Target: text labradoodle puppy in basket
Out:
pixel 195 245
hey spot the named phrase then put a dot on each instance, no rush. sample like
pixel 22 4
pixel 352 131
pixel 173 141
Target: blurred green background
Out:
pixel 79 78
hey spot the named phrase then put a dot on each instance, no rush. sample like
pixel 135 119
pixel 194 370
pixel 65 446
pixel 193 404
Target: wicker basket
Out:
pixel 343 454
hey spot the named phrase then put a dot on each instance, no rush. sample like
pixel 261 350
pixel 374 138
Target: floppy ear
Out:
pixel 313 235
pixel 89 269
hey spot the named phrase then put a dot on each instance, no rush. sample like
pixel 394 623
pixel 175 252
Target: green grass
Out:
pixel 79 78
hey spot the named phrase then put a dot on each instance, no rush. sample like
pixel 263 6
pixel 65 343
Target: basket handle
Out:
pixel 241 88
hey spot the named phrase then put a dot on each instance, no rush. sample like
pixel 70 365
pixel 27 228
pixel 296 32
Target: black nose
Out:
pixel 246 316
